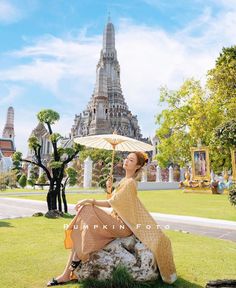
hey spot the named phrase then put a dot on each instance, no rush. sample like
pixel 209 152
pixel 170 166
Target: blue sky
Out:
pixel 49 50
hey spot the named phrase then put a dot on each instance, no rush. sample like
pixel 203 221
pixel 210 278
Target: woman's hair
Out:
pixel 142 159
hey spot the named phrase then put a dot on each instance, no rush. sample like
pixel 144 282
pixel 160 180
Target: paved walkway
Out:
pixel 221 229
pixel 87 191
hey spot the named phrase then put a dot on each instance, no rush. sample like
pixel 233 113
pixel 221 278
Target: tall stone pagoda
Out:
pixel 107 110
pixel 7 144
pixel 8 131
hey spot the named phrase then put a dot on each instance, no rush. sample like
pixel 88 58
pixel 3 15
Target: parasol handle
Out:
pixel 109 194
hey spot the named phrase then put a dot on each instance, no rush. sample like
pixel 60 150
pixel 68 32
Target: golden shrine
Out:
pixel 201 178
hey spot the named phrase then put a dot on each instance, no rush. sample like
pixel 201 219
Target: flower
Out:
pixel 145 156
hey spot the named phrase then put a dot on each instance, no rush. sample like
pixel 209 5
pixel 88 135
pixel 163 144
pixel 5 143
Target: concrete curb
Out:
pixel 198 221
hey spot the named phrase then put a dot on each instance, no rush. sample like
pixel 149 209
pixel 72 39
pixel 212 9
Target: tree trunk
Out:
pixel 59 199
pixel 52 197
pixel 49 197
pixel 64 199
pixel 58 193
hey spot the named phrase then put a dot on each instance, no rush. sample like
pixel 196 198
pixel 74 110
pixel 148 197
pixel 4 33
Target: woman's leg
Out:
pixel 65 276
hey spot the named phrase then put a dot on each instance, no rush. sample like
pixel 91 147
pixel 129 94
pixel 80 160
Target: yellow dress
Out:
pixel 92 229
pixel 129 212
pixel 133 213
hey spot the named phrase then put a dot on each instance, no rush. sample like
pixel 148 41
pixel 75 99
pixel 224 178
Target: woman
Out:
pixel 127 211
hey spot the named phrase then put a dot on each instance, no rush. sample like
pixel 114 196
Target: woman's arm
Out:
pixel 101 203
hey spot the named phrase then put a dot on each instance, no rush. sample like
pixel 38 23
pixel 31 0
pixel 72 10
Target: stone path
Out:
pixel 221 229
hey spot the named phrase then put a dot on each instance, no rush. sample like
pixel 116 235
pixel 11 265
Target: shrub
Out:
pixel 232 195
pixel 22 181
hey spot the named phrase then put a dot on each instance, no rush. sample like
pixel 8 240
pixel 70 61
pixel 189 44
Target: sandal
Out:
pixel 54 282
pixel 74 264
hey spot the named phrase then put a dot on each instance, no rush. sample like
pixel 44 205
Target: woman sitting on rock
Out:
pixel 86 233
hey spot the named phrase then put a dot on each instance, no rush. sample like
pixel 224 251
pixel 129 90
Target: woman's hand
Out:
pixel 83 202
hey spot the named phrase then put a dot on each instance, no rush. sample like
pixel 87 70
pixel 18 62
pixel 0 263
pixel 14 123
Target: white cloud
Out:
pixel 149 57
pixel 8 12
pixel 25 121
pixel 9 94
pixel 54 59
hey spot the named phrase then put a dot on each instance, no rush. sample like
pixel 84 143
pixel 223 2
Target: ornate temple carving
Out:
pixel 107 110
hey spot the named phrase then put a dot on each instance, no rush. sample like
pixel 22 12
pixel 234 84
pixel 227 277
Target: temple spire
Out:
pixel 109 17
pixel 109 37
pixel 107 110
pixel 8 131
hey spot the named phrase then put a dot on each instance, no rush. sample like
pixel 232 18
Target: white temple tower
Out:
pixel 107 110
pixel 8 131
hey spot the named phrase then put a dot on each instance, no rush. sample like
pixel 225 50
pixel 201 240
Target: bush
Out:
pixel 232 195
pixel 22 181
pixel 8 179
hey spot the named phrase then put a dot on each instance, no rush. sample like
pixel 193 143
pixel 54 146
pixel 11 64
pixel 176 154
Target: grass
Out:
pixel 120 278
pixel 172 202
pixel 25 190
pixel 32 252
pixel 178 202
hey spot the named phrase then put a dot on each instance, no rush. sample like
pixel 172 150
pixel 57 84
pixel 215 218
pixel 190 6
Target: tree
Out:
pixel 95 154
pixel 71 179
pixel 224 138
pixel 106 171
pixel 232 195
pixel 3 185
pixel 106 157
pixel 33 176
pixel 226 133
pixel 22 181
pixel 10 179
pixel 31 182
pixel 189 116
pixel 221 82
pixel 194 112
pixel 16 165
pixel 60 157
pixel 42 180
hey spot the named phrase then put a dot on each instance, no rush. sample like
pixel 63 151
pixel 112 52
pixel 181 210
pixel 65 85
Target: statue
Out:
pixel 219 186
pixel 188 183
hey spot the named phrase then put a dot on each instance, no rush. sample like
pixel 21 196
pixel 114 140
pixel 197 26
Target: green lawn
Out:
pixel 173 202
pixel 32 252
pixel 16 190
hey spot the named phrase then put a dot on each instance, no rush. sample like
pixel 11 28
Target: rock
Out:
pixel 222 283
pixel 54 214
pixel 128 252
pixel 37 214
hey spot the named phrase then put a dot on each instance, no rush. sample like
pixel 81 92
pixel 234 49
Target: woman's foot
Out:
pixel 60 280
